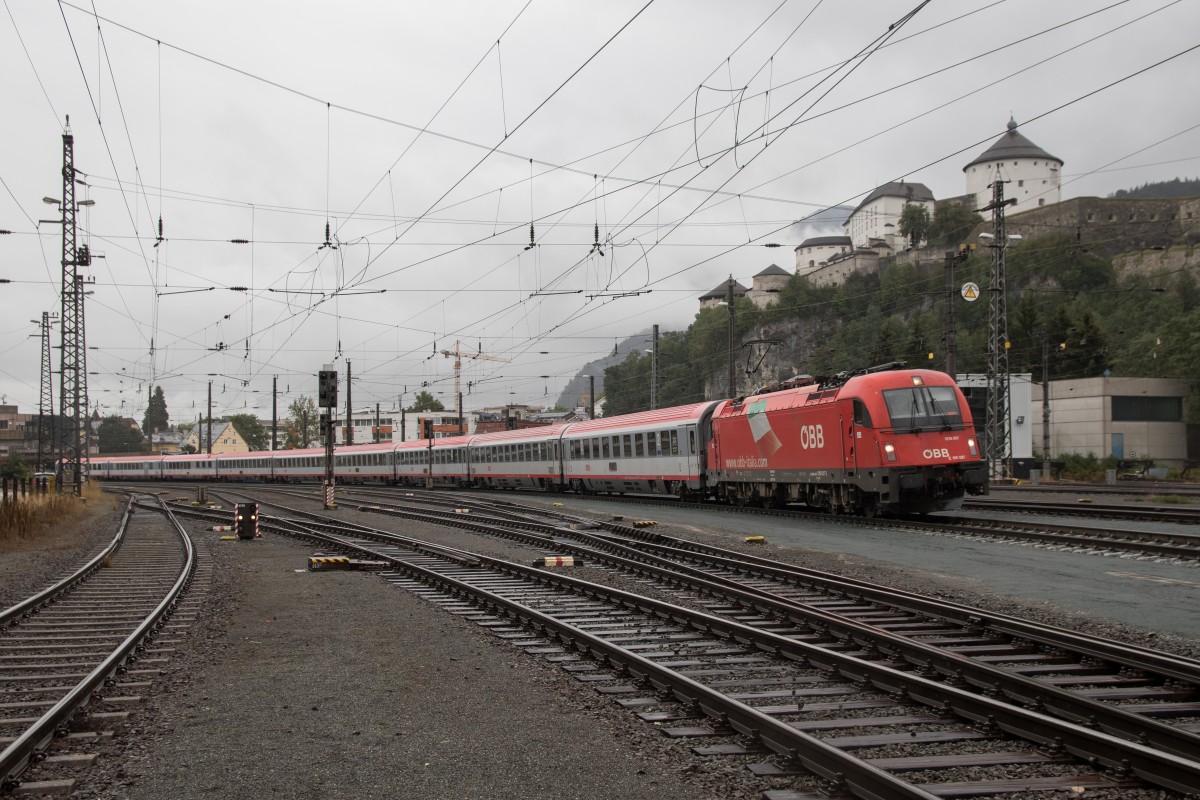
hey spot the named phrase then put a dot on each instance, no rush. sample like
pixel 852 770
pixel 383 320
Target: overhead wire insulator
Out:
pixel 531 238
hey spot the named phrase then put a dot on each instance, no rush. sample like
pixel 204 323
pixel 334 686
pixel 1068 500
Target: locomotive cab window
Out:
pixel 919 408
pixel 862 416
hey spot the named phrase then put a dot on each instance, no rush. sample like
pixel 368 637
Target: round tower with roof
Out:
pixel 1033 175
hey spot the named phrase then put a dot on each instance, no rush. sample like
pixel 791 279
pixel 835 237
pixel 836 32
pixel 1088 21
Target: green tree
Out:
pixel 156 419
pixel 115 436
pixel 251 430
pixel 305 429
pixel 15 468
pixel 952 223
pixel 424 401
pixel 914 223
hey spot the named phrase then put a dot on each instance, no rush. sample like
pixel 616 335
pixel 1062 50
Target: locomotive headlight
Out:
pixel 889 450
pixel 971 446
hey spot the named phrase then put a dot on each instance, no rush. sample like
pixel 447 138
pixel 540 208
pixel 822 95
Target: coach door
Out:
pixel 693 453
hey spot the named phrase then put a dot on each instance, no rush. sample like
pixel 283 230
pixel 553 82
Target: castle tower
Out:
pixel 1033 175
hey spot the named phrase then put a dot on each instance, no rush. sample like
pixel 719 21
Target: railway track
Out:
pixel 75 656
pixel 813 680
pixel 1184 547
pixel 1087 507
pixel 1105 541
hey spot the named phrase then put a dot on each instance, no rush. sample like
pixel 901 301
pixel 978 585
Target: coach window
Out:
pixel 664 443
pixel 587 449
pixel 627 448
pixel 604 447
pixel 639 444
pixel 595 448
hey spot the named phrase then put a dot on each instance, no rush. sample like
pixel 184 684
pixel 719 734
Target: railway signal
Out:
pixel 245 520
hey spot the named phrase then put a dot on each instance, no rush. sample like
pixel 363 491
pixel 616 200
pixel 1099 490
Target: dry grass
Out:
pixel 33 516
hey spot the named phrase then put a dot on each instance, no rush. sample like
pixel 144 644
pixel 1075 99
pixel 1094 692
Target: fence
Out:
pixel 13 489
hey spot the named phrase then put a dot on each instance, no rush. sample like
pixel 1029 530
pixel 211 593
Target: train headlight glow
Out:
pixel 889 450
pixel 971 445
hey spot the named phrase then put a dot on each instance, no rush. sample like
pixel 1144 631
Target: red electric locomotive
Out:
pixel 884 439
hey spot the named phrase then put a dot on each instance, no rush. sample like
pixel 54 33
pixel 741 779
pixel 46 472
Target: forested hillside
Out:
pixel 1188 187
pixel 1146 326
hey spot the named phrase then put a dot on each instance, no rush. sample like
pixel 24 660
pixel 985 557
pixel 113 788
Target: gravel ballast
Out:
pixel 329 685
pixel 332 685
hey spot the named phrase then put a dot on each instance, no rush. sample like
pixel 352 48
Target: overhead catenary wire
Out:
pixel 110 111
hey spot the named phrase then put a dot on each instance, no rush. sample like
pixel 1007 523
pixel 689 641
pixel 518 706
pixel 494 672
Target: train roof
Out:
pixel 861 384
pixel 298 451
pixel 369 447
pixel 519 435
pixel 113 459
pixel 452 441
pixel 642 419
pixel 247 454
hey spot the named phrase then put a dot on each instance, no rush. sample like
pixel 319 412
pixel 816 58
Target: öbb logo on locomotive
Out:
pixel 812 437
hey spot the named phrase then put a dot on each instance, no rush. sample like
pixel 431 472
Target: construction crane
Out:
pixel 458 355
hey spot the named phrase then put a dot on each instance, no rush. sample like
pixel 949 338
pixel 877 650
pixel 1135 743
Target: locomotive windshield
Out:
pixel 922 408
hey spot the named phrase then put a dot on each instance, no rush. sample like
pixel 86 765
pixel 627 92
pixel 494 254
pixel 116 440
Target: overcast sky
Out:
pixel 431 135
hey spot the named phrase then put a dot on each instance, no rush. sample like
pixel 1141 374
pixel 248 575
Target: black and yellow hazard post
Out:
pixel 245 520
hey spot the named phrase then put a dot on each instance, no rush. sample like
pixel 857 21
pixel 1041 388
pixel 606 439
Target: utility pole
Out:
pixel 46 397
pixel 274 413
pixel 1045 406
pixel 73 357
pixel 591 396
pixel 376 437
pixel 729 305
pixel 951 346
pixel 654 371
pixel 999 427
pixel 349 418
pixel 403 416
pixel 208 423
pixel 461 431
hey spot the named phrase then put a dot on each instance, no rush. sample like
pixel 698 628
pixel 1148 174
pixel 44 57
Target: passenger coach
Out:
pixel 528 458
pixel 660 451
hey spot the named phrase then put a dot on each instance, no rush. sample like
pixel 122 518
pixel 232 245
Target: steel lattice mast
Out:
pixel 46 424
pixel 73 370
pixel 999 426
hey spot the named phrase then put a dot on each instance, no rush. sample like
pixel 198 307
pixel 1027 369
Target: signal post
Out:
pixel 327 381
